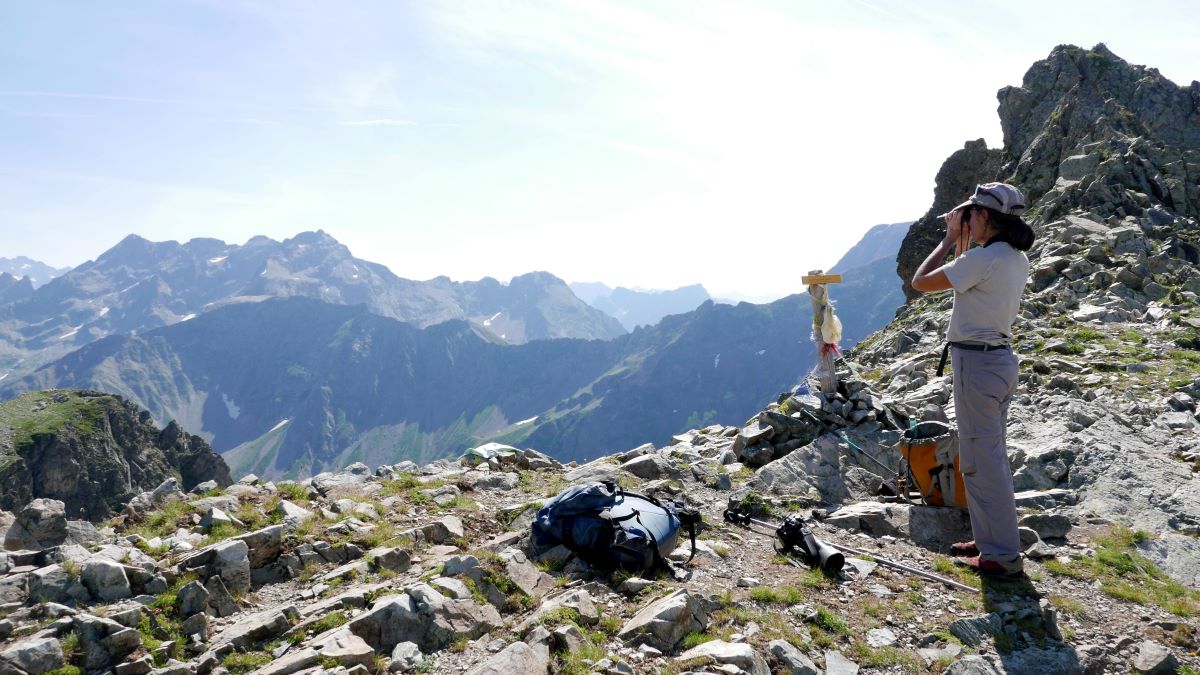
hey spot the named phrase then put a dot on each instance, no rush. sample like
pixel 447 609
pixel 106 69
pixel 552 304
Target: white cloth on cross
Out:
pixel 831 326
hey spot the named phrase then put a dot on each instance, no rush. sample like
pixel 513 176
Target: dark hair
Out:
pixel 1010 228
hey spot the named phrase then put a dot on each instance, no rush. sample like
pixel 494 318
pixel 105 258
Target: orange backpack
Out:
pixel 930 452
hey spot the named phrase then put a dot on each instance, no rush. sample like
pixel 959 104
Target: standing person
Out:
pixel 987 282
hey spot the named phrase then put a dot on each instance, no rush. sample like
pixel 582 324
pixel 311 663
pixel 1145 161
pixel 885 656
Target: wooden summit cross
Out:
pixel 822 331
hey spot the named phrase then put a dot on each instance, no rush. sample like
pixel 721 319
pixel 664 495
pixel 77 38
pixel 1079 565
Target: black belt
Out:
pixel 967 346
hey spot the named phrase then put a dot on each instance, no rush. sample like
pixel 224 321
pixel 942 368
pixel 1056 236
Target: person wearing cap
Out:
pixel 988 280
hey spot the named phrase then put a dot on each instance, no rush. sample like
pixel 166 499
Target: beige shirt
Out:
pixel 988 282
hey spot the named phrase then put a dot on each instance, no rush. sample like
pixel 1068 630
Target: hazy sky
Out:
pixel 651 144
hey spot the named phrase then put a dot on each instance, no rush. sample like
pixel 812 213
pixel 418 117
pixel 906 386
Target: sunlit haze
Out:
pixel 649 144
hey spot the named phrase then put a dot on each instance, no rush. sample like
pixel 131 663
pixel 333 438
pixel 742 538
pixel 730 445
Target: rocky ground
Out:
pixel 428 569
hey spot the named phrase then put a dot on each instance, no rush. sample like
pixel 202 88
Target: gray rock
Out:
pixel 231 562
pixel 974 631
pixel 264 545
pixel 443 530
pixel 348 650
pixel 106 580
pixel 220 602
pixel 395 559
pixel 461 565
pixel 837 664
pixel 973 665
pixel 45 521
pixel 104 642
pixel 140 666
pixel 577 599
pixel 31 655
pixel 594 472
pixel 353 475
pixel 206 486
pixel 532 581
pixel 738 654
pixel 881 637
pixel 196 624
pixel 424 616
pixel 664 622
pixel 406 657
pixel 1047 525
pixel 215 516
pixel 1154 659
pixel 928 526
pixel 248 631
pixel 1039 661
pixel 1028 536
pixel 192 598
pixel 793 660
pixel 518 657
pixel 48 584
pixel 451 587
pixel 648 466
pixel 81 532
pixel 292 515
pixel 14 588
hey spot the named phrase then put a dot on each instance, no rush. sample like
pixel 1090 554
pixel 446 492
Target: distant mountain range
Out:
pixel 39 273
pixel 881 241
pixel 140 285
pixel 292 358
pixel 634 307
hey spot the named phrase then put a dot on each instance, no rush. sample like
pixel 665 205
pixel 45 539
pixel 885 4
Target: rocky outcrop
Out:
pixel 956 179
pixel 93 452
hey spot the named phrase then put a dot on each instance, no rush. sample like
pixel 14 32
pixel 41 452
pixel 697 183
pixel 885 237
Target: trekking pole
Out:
pixel 738 517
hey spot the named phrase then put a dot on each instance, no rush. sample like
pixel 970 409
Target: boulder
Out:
pixel 648 466
pixel 664 622
pixel 264 545
pixel 532 581
pixel 292 515
pixel 45 522
pixel 32 655
pixel 973 665
pixel 220 602
pixel 424 616
pixel 974 631
pixel 348 650
pixel 443 530
pixel 247 632
pixel 214 517
pixel 1047 525
pixel 577 599
pixel 104 642
pixel 49 584
pixel 192 598
pixel 792 659
pixel 406 657
pixel 1154 659
pixel 105 580
pixel 518 657
pixel 738 654
pixel 395 559
pixel 838 664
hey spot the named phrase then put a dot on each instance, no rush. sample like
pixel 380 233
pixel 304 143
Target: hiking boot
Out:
pixel 993 568
pixel 964 548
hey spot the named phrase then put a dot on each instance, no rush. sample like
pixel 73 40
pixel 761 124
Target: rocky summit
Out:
pixel 409 568
pixel 94 452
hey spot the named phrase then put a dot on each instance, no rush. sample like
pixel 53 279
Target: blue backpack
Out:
pixel 612 529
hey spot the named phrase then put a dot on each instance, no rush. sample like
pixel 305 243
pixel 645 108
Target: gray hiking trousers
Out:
pixel 984 383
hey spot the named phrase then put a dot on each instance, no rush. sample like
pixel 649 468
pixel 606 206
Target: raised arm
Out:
pixel 930 276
